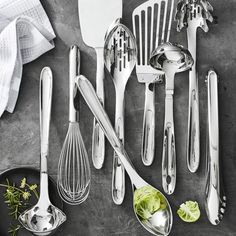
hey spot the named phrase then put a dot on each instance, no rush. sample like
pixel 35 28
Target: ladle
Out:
pixel 171 59
pixel 43 218
pixel 160 223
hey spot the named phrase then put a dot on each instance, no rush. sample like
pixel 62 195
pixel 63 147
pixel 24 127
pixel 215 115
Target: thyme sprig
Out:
pixel 17 200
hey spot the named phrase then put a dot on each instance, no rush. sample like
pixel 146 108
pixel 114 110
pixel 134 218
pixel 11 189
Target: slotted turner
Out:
pixel 151 25
pixel 95 18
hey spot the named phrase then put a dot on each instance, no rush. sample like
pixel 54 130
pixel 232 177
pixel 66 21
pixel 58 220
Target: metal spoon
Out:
pixel 159 223
pixel 120 55
pixel 43 218
pixel 172 59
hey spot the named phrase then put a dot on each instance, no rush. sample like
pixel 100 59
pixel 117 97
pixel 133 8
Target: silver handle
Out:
pixel 148 139
pixel 193 138
pixel 169 154
pixel 98 141
pixel 45 101
pixel 118 171
pixel 87 91
pixel 74 70
pixel 215 199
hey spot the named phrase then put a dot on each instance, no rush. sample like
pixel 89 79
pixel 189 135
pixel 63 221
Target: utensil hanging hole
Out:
pixel 168 179
pixel 151 87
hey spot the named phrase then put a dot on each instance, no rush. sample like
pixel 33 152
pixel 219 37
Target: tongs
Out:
pixel 215 199
pixel 193 14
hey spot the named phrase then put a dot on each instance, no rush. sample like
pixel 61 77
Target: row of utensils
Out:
pixel 156 60
pixel 152 23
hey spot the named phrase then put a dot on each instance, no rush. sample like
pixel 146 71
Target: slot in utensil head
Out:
pixel 120 51
pixel 152 23
pixel 193 13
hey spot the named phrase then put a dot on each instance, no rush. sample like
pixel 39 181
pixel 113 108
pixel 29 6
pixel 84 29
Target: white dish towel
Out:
pixel 25 34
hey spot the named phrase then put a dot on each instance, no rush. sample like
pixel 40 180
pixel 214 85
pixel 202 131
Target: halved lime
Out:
pixel 189 211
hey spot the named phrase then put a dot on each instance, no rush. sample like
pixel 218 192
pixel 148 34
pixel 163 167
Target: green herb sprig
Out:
pixel 17 200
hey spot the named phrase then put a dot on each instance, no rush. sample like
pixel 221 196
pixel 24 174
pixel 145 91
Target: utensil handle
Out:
pixel 193 139
pixel 118 171
pixel 169 154
pixel 98 141
pixel 45 101
pixel 87 91
pixel 148 139
pixel 74 70
pixel 215 199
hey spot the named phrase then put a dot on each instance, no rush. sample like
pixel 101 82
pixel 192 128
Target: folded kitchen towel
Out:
pixel 25 34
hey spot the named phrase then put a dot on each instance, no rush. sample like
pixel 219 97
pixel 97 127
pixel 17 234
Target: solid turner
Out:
pixel 151 26
pixel 95 18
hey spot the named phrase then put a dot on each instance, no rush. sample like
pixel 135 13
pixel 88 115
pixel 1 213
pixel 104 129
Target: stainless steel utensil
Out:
pixel 74 176
pixel 95 18
pixel 215 198
pixel 193 14
pixel 172 59
pixel 43 218
pixel 120 55
pixel 161 222
pixel 151 26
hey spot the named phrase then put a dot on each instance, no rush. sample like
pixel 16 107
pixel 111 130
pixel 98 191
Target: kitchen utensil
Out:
pixel 120 58
pixel 15 175
pixel 161 222
pixel 43 218
pixel 172 59
pixel 74 176
pixel 95 18
pixel 151 26
pixel 193 14
pixel 215 198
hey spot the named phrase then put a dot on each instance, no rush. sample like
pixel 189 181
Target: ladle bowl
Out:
pixel 171 53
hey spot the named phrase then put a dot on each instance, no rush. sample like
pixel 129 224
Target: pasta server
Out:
pixel 193 14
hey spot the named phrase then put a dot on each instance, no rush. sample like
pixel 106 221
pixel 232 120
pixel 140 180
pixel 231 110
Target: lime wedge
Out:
pixel 189 211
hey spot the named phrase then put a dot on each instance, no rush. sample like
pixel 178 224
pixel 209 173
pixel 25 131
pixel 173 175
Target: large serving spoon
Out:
pixel 120 55
pixel 43 218
pixel 160 223
pixel 171 59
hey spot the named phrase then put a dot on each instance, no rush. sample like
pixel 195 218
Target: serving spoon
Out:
pixel 120 55
pixel 43 218
pixel 160 223
pixel 171 59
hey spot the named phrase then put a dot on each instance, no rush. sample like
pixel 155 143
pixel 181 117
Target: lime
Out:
pixel 189 211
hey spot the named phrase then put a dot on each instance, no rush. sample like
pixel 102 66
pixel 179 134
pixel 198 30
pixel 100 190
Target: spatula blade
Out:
pixel 95 19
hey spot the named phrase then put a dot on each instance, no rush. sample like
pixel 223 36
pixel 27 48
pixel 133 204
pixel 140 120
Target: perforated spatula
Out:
pixel 95 18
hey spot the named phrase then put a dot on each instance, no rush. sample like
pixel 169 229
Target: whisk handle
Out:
pixel 74 70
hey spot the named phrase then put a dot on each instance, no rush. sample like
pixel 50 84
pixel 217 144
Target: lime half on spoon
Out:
pixel 189 211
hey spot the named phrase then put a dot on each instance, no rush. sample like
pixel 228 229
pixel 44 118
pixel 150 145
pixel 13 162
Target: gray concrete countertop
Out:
pixel 98 216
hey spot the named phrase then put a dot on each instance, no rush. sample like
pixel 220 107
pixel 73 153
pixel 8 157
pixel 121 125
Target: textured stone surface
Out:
pixel 98 216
